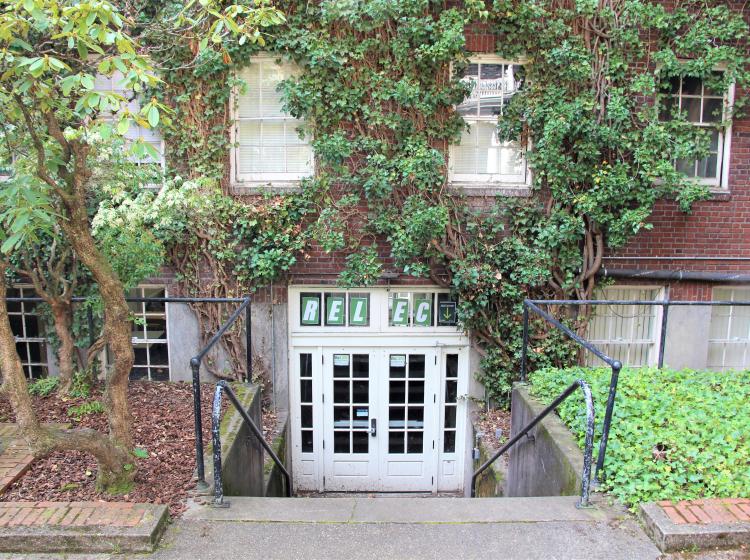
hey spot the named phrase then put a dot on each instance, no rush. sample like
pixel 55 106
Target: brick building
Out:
pixel 378 381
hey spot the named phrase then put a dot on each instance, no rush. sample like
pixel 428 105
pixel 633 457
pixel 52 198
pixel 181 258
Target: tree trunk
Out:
pixel 113 474
pixel 62 313
pixel 117 326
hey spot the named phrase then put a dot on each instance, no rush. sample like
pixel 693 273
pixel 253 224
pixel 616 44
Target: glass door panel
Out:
pixel 350 457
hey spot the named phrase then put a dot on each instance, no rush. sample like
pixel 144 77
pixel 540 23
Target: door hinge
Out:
pixel 432 480
pixel 435 360
pixel 322 359
pixel 433 444
pixel 324 397
pixel 434 398
pixel 324 444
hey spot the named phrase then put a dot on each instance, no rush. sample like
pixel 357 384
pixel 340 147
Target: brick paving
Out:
pixel 15 458
pixel 71 514
pixel 727 510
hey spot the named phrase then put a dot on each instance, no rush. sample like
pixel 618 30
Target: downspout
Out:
pixel 675 275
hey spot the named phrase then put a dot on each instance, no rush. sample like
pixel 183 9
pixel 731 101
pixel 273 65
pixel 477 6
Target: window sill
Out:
pixel 719 194
pixel 263 187
pixel 491 189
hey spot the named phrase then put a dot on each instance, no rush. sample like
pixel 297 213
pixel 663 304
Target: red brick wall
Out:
pixel 717 230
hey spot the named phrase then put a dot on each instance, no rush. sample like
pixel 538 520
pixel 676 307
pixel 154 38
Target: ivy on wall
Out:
pixel 377 90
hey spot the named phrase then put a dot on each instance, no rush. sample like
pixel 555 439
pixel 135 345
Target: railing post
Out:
pixel 195 365
pixel 588 449
pixel 663 337
pixel 216 444
pixel 525 347
pixel 248 341
pixel 90 322
pixel 616 367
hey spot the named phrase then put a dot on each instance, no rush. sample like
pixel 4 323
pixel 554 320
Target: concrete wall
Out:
pixel 549 463
pixel 687 337
pixel 274 478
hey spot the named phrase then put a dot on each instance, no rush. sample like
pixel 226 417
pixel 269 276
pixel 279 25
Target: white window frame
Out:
pixel 720 183
pixel 142 341
pixel 114 88
pixel 654 341
pixel 485 180
pixel 40 340
pixel 726 340
pixel 259 180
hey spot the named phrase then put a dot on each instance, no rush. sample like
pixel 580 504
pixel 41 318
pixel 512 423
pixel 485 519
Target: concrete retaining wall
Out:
pixel 274 479
pixel 549 463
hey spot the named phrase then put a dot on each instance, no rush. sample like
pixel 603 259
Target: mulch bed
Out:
pixel 162 425
pixel 489 422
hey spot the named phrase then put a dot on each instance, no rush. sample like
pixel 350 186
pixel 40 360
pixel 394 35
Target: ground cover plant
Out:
pixel 675 434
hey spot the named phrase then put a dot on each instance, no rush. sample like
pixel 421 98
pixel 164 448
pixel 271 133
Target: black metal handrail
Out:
pixel 223 386
pixel 195 366
pixel 616 365
pixel 588 449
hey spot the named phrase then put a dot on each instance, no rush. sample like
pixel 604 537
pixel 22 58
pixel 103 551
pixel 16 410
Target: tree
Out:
pixel 50 55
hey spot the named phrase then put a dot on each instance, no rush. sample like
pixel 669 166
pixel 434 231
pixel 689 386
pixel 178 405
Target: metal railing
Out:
pixel 195 366
pixel 615 365
pixel 588 446
pixel 223 386
pixel 195 362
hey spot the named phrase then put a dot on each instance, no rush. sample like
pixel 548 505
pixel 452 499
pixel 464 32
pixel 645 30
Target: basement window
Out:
pixel 628 333
pixel 149 335
pixel 729 333
pixel 28 329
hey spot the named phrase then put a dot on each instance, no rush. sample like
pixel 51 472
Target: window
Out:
pixel 450 398
pixel 625 332
pixel 729 333
pixel 269 147
pixel 26 326
pixel 150 335
pixel 136 132
pixel 481 157
pixel 341 309
pixel 306 401
pixel 704 108
pixel 419 309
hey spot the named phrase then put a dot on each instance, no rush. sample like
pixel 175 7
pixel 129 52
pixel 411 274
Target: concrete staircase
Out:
pixel 407 527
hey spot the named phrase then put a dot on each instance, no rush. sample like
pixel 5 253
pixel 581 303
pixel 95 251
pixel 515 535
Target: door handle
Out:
pixel 373 427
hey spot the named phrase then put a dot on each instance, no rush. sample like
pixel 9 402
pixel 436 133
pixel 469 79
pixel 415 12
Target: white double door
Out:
pixel 381 419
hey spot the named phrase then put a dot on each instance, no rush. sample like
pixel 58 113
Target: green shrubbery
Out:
pixel 675 434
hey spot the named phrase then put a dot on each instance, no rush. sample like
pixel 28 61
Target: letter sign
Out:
pixel 359 314
pixel 310 310
pixel 423 312
pixel 400 312
pixel 335 310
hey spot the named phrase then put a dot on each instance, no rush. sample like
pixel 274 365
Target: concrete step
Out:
pixel 417 510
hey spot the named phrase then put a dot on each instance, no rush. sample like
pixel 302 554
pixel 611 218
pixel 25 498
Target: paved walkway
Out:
pixel 15 456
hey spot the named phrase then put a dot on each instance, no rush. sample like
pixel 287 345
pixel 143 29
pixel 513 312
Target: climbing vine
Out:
pixel 378 83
